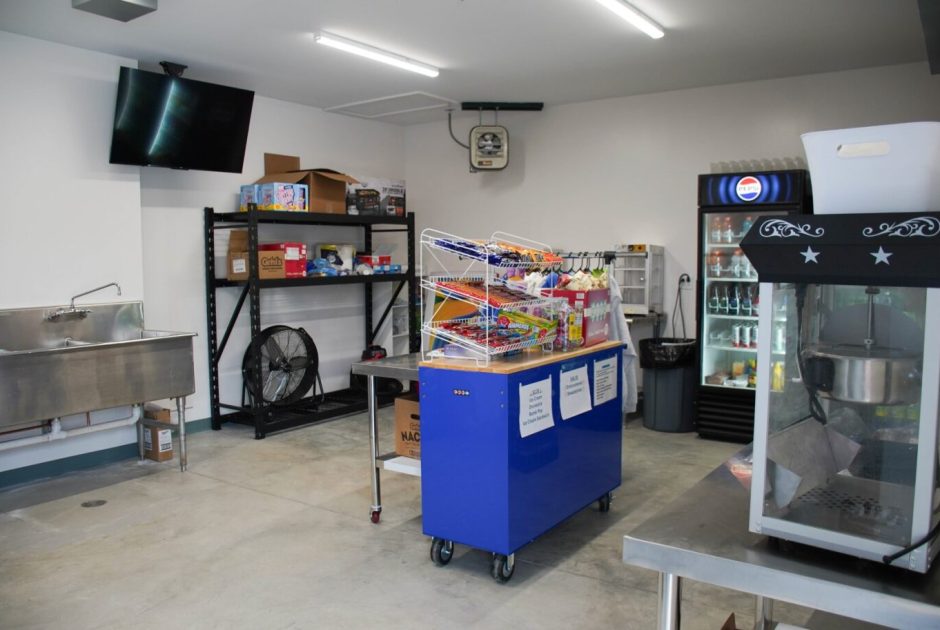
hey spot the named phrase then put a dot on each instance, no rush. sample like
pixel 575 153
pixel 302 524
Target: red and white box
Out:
pixel 374 260
pixel 295 257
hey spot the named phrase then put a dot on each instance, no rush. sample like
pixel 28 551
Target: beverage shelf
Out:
pixel 750 318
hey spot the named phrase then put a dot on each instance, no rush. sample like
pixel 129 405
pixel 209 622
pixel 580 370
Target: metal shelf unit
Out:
pixel 267 418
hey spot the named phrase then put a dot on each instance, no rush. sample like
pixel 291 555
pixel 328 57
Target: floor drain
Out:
pixel 95 503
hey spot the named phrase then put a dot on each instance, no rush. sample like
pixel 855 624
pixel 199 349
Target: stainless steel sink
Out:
pixel 51 368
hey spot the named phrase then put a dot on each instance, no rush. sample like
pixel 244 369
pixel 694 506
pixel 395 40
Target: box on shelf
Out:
pixel 326 188
pixel 158 444
pixel 382 269
pixel 271 261
pixel 274 196
pixel 407 427
pixel 595 305
pixel 295 257
pixel 374 196
pixel 373 260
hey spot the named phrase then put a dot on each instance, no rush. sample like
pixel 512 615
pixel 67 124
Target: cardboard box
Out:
pixel 407 427
pixel 374 260
pixel 160 414
pixel 295 257
pixel 158 444
pixel 271 259
pixel 595 306
pixel 274 196
pixel 374 196
pixel 326 187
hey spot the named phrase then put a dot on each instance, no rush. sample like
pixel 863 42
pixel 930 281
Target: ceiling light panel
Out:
pixel 634 17
pixel 375 54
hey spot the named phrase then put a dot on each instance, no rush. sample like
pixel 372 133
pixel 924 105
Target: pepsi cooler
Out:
pixel 728 301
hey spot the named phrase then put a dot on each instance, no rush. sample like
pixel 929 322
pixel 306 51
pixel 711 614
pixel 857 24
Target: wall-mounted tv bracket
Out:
pixel 173 69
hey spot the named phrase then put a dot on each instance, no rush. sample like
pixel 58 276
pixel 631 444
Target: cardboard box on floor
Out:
pixel 408 426
pixel 158 444
pixel 270 263
pixel 327 188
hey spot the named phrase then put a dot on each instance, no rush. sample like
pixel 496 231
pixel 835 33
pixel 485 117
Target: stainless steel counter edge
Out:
pixel 404 367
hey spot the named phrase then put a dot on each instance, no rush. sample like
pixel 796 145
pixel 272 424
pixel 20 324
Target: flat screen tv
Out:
pixel 173 122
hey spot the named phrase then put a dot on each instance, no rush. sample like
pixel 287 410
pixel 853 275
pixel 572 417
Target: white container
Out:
pixel 887 168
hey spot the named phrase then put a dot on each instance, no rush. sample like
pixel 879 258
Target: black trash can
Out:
pixel 668 383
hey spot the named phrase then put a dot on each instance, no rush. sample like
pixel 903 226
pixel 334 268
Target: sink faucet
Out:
pixel 103 286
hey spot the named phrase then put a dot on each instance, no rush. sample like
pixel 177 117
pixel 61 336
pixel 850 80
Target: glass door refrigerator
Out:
pixel 728 303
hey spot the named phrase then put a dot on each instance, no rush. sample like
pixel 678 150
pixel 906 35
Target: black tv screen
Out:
pixel 169 121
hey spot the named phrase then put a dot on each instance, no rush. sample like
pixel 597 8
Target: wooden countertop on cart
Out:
pixel 534 357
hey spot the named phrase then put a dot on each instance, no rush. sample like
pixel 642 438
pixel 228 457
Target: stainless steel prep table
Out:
pixel 403 367
pixel 703 535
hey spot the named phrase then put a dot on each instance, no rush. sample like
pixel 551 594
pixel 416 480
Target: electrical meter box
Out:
pixel 638 268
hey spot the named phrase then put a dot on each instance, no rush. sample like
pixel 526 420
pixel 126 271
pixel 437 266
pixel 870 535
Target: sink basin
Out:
pixel 50 369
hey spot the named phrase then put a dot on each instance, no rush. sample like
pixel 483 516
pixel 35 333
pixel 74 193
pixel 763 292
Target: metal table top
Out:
pixel 703 535
pixel 404 367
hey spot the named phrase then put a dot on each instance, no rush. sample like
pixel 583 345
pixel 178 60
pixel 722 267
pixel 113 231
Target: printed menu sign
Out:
pixel 575 396
pixel 605 380
pixel 535 407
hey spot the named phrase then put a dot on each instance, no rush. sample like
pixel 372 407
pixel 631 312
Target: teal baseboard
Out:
pixel 55 468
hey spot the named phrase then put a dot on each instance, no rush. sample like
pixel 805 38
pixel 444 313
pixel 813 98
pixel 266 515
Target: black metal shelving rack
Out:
pixel 268 418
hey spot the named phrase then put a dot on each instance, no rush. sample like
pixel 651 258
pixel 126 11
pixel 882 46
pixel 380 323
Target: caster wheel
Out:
pixel 441 551
pixel 603 504
pixel 502 567
pixel 376 515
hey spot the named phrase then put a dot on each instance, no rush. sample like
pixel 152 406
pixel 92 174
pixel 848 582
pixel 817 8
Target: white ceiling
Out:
pixel 556 51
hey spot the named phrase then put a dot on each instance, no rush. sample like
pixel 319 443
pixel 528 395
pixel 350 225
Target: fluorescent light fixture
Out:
pixel 634 17
pixel 376 54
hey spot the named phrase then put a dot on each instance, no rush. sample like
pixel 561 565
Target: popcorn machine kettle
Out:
pixel 845 438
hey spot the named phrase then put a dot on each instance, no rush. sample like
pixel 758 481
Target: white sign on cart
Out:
pixel 575 397
pixel 535 407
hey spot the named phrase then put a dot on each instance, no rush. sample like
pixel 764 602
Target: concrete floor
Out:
pixel 276 534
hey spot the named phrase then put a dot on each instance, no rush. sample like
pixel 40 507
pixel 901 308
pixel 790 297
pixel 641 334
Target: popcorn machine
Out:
pixel 845 435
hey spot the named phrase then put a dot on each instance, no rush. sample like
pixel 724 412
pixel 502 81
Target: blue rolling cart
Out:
pixel 511 449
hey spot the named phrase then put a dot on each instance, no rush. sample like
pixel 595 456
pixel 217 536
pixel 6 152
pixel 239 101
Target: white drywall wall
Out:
pixel 590 175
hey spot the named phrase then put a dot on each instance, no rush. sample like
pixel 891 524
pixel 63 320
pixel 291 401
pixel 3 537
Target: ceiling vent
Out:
pixel 121 10
pixel 393 106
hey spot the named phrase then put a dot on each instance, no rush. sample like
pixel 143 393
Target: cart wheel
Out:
pixel 376 515
pixel 502 567
pixel 441 551
pixel 603 504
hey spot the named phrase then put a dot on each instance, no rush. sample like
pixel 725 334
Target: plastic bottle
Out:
pixel 734 301
pixel 715 233
pixel 723 301
pixel 746 225
pixel 777 379
pixel 713 301
pixel 755 303
pixel 746 301
pixel 717 262
pixel 728 231
pixel 736 263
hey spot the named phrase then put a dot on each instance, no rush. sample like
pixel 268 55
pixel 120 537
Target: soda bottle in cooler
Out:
pixel 746 225
pixel 746 301
pixel 715 232
pixel 736 260
pixel 713 301
pixel 723 300
pixel 734 301
pixel 727 231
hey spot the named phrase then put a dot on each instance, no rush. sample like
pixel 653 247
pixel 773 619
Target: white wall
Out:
pixel 590 175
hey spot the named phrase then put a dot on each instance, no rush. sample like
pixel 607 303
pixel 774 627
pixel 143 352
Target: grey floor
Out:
pixel 275 534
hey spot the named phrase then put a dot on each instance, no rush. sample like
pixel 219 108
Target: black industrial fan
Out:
pixel 289 365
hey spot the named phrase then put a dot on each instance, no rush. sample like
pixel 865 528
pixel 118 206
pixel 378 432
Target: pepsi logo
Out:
pixel 748 188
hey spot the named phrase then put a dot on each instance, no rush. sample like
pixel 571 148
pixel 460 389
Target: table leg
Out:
pixel 376 510
pixel 140 435
pixel 181 414
pixel 763 613
pixel 670 600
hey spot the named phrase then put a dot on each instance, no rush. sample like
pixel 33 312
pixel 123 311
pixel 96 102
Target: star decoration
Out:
pixel 809 256
pixel 881 256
